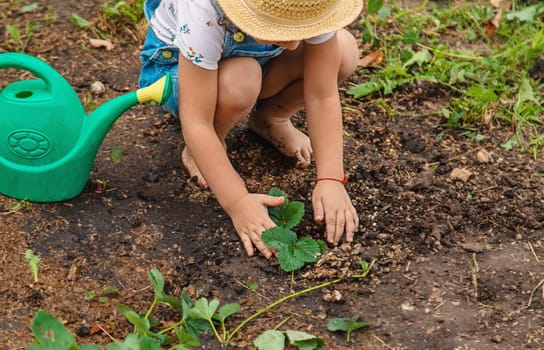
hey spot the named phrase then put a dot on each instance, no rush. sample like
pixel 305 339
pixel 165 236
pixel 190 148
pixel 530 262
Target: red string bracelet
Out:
pixel 342 181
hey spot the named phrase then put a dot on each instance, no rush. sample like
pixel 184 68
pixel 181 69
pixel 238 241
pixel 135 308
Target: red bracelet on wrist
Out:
pixel 342 181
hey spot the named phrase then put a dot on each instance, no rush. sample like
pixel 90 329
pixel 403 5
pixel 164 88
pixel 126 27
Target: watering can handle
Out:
pixel 53 80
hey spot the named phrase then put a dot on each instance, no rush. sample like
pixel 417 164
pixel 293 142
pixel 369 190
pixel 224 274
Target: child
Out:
pixel 267 59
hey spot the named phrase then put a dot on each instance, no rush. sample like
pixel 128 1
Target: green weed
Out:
pixel 347 325
pixel 493 76
pixel 124 11
pixel 19 37
pixel 34 262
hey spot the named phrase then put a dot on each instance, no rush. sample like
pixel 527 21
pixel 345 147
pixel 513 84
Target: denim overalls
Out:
pixel 158 57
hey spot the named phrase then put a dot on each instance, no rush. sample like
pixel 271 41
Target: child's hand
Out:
pixel 331 203
pixel 250 218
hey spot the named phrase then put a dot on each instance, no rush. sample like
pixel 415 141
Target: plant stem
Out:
pixel 148 313
pixel 450 54
pixel 174 326
pixel 223 342
pixel 279 301
pixel 294 295
pixel 224 329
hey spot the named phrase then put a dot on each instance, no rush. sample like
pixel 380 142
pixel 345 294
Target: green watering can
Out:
pixel 47 142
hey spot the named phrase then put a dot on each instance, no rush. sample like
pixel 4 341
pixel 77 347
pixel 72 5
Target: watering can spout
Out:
pixel 100 121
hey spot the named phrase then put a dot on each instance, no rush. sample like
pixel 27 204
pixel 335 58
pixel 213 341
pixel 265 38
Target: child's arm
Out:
pixel 330 200
pixel 197 100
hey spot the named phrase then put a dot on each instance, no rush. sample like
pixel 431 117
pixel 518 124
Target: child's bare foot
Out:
pixel 285 137
pixel 190 164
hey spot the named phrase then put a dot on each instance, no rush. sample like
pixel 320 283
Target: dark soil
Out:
pixel 459 258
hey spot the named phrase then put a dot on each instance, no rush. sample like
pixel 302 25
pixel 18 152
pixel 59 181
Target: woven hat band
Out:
pixel 291 13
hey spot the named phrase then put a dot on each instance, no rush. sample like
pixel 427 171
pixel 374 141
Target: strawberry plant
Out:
pixel 347 325
pixel 275 340
pixel 197 318
pixel 293 252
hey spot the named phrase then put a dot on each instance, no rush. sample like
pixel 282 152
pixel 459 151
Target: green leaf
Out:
pixel 185 338
pixel 384 13
pixel 34 262
pixel 411 37
pixel 526 92
pixel 305 341
pixel 253 286
pixel 30 8
pixel 374 6
pixel 193 326
pixel 527 14
pixel 276 192
pixel 365 89
pixel 322 245
pixel 481 93
pixel 228 310
pixel 134 342
pixel 270 340
pixel 288 214
pixel 346 324
pixel 140 323
pixel 337 324
pixel 79 21
pixel 51 334
pixel 288 261
pixel 14 32
pixel 418 58
pixel 202 310
pixel 116 154
pixel 307 250
pixel 277 237
pixel 157 281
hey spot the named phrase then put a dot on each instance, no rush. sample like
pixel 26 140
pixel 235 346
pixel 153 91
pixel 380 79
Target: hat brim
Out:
pixel 264 29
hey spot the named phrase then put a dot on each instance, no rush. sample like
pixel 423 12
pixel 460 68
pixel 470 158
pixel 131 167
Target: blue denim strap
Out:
pixel 150 6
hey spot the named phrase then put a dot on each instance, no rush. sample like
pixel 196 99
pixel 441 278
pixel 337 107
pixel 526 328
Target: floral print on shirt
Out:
pixel 193 56
pixel 184 29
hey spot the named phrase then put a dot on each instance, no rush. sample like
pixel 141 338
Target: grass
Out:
pixel 18 37
pixel 494 74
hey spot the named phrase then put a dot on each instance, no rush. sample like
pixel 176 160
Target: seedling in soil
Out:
pixel 19 205
pixel 347 325
pixel 196 318
pixel 102 297
pixel 275 340
pixel 293 252
pixel 34 262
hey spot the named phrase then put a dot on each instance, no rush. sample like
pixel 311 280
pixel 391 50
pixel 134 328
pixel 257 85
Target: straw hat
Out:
pixel 285 20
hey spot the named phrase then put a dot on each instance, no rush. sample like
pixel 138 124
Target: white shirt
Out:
pixel 192 26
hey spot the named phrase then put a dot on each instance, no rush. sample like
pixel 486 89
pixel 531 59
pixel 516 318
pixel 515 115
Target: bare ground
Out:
pixel 459 260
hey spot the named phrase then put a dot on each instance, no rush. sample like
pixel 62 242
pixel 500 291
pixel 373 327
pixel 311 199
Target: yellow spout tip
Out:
pixel 157 92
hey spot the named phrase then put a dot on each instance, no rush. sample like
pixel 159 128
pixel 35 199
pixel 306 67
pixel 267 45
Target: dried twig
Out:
pixel 540 284
pixel 475 269
pixel 533 251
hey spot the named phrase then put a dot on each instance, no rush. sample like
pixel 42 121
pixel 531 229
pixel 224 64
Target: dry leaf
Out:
pixel 492 25
pixel 372 59
pixel 460 174
pixel 99 43
pixel 504 5
pixel 483 156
